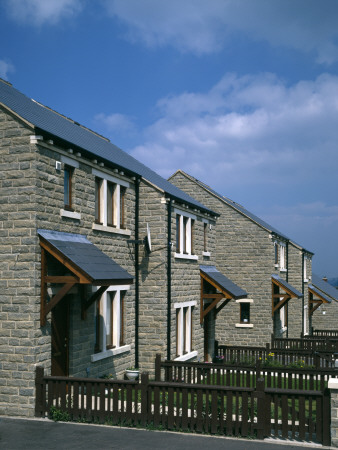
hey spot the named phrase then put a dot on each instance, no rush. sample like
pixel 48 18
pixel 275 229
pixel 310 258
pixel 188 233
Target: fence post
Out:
pixel 333 387
pixel 316 359
pixel 216 348
pixel 158 367
pixel 144 398
pixel 39 386
pixel 261 408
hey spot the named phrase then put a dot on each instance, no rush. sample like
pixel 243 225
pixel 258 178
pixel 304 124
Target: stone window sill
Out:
pixel 283 270
pixel 244 325
pixel 184 256
pixel 70 214
pixel 111 352
pixel 113 230
pixel 206 253
pixel 187 356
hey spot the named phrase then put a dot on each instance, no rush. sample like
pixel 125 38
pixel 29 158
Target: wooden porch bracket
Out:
pixel 284 298
pixel 314 304
pixel 216 297
pixel 87 303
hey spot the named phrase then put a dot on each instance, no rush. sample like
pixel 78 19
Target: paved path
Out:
pixel 29 434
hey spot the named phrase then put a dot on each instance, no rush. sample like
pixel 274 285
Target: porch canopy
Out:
pixel 320 292
pixel 217 287
pixel 279 298
pixel 85 262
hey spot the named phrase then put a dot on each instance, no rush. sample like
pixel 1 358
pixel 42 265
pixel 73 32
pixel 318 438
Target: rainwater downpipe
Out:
pixel 287 280
pixel 169 207
pixel 137 269
pixel 303 262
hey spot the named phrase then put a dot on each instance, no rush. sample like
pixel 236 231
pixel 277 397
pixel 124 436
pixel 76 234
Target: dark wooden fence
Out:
pixel 240 411
pixel 325 333
pixel 281 354
pixel 244 375
pixel 324 344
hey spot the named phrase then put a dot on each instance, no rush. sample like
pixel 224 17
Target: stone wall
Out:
pixel 185 279
pixel 21 340
pixel 245 254
pixel 32 197
pixel 153 277
pixel 294 276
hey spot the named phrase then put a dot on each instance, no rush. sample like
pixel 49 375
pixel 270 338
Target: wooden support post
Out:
pixel 144 398
pixel 261 408
pixel 39 392
pixel 158 367
pixel 43 294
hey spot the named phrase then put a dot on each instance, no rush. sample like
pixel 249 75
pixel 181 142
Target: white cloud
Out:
pixel 39 12
pixel 5 68
pixel 247 130
pixel 204 27
pixel 115 122
pixel 305 221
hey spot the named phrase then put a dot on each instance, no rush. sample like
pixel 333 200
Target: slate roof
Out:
pixel 244 211
pixel 319 293
pixel 324 287
pixel 68 132
pixel 286 285
pixel 225 283
pixel 86 256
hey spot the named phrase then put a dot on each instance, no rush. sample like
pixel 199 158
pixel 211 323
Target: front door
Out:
pixel 60 337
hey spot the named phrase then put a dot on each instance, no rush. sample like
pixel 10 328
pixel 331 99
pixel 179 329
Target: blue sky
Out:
pixel 242 94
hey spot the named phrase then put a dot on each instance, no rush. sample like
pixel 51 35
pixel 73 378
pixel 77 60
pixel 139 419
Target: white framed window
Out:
pixel 305 277
pixel 282 257
pixel 206 228
pixel 184 330
pixel 110 195
pixel 283 318
pixel 276 254
pixel 244 313
pixel 185 224
pixel 68 188
pixel 306 320
pixel 110 323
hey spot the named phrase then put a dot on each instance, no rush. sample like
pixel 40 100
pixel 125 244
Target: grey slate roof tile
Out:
pixel 287 285
pixel 325 287
pixel 56 125
pixel 229 286
pixel 86 256
pixel 244 211
pixel 320 293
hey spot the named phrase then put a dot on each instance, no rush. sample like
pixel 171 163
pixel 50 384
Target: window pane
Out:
pixel 109 320
pixel 98 213
pixel 178 234
pixel 67 187
pixel 122 200
pixel 245 312
pixel 110 203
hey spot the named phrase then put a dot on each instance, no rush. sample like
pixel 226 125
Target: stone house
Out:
pixel 101 260
pixel 273 270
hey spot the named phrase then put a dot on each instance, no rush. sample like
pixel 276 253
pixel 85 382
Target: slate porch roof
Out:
pixel 243 211
pixel 86 256
pixel 319 293
pixel 65 131
pixel 224 282
pixel 324 287
pixel 287 286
